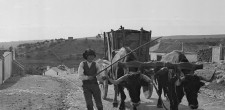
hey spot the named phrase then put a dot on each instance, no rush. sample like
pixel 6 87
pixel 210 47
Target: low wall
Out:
pixel 1 72
pixel 18 69
pixel 205 55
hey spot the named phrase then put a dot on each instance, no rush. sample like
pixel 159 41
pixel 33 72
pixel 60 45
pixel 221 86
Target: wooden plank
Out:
pixel 117 42
pixel 108 46
pixel 114 39
pixel 105 45
pixel 119 39
pixel 124 40
pixel 140 41
pixel 148 46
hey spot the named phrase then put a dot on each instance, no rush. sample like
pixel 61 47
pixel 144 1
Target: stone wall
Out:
pixel 205 55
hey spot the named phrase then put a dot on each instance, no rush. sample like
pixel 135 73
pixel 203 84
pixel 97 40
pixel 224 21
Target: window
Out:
pixel 158 57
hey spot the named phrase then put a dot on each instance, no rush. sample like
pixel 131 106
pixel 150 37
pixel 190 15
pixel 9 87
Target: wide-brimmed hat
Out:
pixel 88 52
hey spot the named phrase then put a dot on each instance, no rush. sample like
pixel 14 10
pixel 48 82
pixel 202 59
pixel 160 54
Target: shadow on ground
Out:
pixel 151 105
pixel 108 99
pixel 10 82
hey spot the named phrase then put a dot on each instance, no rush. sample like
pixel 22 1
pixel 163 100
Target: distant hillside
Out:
pixel 14 44
pixel 59 51
pixel 69 52
pixel 194 36
pixel 209 40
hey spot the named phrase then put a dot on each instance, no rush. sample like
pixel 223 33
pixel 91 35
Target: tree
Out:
pixel 98 36
pixel 28 56
pixel 86 40
pixel 10 48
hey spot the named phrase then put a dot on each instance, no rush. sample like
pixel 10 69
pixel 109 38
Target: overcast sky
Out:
pixel 49 19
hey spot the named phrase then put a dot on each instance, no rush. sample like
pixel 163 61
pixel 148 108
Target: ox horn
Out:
pixel 146 78
pixel 122 78
pixel 208 80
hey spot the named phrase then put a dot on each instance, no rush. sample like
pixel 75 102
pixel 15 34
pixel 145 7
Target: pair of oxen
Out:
pixel 175 79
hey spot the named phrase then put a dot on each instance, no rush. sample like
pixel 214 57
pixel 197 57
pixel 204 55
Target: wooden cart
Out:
pixel 114 40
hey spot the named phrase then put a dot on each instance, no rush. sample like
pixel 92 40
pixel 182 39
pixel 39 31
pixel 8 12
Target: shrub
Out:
pixel 33 71
pixel 30 70
pixel 28 56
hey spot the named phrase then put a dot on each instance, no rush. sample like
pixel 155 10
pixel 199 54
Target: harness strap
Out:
pixel 136 104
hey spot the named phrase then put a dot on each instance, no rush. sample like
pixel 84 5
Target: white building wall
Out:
pixel 51 72
pixel 7 65
pixel 190 57
pixel 153 56
pixel 72 71
pixel 216 54
pixel 62 73
pixel 1 71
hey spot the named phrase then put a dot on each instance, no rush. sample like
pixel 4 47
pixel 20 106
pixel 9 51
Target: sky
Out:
pixel 50 19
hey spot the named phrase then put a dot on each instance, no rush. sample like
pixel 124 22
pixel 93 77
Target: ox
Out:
pixel 127 78
pixel 179 81
pixel 176 80
pixel 176 88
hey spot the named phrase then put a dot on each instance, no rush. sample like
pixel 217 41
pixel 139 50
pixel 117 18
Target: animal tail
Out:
pixel 155 79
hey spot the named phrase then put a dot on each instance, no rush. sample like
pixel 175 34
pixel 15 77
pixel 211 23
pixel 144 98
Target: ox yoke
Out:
pixel 181 65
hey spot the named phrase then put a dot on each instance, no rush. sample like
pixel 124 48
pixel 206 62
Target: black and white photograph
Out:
pixel 112 54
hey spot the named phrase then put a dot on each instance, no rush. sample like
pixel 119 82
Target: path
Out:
pixel 205 103
pixel 35 92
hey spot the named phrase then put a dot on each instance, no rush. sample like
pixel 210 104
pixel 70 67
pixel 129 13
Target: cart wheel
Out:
pixel 104 89
pixel 147 90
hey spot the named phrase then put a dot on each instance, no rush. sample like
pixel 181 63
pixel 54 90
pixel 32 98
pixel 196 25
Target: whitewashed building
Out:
pixel 159 50
pixel 54 71
pixel 59 70
pixel 218 54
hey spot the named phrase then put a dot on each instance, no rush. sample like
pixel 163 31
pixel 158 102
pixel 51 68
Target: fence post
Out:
pixel 3 69
pixel 1 60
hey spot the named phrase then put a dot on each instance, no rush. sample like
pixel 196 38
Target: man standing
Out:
pixel 87 71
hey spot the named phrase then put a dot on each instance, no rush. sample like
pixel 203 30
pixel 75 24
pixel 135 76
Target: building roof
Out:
pixel 56 69
pixel 166 47
pixel 121 29
pixel 131 31
pixel 2 52
pixel 174 57
pixel 63 67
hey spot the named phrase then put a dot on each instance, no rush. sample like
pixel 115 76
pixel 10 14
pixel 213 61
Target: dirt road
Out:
pixel 64 93
pixel 33 92
pixel 205 102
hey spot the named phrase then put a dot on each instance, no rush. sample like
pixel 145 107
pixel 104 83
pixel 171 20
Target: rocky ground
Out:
pixel 33 92
pixel 214 89
pixel 75 99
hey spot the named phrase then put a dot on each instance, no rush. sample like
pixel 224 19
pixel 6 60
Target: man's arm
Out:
pixel 81 72
pixel 98 70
